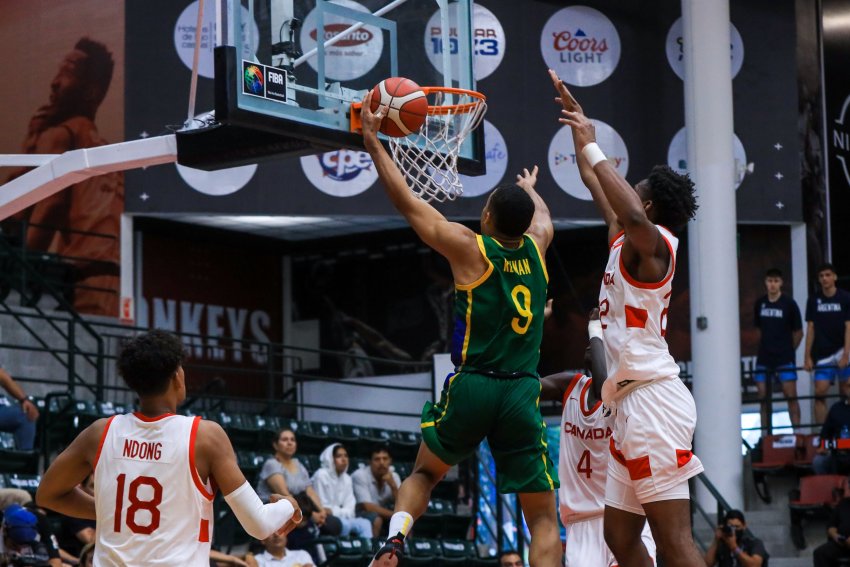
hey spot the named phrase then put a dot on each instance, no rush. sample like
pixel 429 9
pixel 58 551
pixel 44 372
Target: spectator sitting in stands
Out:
pixel 286 475
pixel 334 487
pixel 376 488
pixel 836 427
pixel 837 544
pixel 510 558
pixel 277 555
pixel 733 546
pixel 19 539
pixel 19 420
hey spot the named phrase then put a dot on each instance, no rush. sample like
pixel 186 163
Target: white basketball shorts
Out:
pixel 652 441
pixel 586 544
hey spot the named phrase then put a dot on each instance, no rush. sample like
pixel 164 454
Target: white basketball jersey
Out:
pixel 583 462
pixel 634 320
pixel 152 508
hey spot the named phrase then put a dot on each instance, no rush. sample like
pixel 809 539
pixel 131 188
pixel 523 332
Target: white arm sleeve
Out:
pixel 259 520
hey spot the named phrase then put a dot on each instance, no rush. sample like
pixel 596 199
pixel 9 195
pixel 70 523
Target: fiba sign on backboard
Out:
pixel 496 154
pixel 185 36
pixel 562 158
pixel 342 173
pixel 581 45
pixel 677 155
pixel 488 39
pixel 349 58
pixel 676 49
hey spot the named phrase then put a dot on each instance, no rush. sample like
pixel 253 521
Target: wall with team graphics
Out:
pixel 622 60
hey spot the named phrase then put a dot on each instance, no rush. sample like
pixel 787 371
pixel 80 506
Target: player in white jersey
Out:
pixel 655 414
pixel 155 472
pixel 586 429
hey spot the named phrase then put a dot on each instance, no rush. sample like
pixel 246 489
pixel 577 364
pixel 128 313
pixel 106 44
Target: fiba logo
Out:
pixel 252 79
pixel 841 139
pixel 581 45
pixel 488 41
pixel 676 49
pixel 563 164
pixel 341 173
pixel 353 55
pixel 496 156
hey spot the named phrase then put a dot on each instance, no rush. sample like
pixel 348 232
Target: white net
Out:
pixel 428 159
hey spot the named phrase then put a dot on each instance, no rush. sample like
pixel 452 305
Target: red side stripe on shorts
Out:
pixel 618 456
pixel 636 317
pixel 683 457
pixel 204 533
pixel 639 468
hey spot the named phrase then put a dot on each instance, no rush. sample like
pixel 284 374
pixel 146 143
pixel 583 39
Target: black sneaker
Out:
pixel 390 553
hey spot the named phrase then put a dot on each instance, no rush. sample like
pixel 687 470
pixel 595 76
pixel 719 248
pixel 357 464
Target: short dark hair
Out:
pixel 826 266
pixel 148 361
pixel 380 448
pixel 773 273
pixel 512 209
pixel 672 197
pixel 734 515
pixel 97 67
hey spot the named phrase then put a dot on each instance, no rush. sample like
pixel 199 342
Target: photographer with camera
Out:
pixel 734 546
pixel 19 539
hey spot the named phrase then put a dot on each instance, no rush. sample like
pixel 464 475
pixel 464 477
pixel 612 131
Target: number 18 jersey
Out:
pixel 152 508
pixel 583 460
pixel 499 317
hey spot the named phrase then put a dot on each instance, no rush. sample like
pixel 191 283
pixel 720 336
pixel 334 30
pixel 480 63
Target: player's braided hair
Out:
pixel 512 210
pixel 672 197
pixel 148 361
pixel 97 68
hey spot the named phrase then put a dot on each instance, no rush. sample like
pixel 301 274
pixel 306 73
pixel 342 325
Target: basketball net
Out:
pixel 428 159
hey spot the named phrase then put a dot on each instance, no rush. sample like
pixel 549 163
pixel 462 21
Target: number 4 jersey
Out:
pixel 499 317
pixel 583 462
pixel 152 508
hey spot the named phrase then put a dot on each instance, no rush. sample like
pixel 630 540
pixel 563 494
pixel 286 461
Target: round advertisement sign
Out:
pixel 352 56
pixel 562 158
pixel 217 183
pixel 677 155
pixel 676 50
pixel 340 173
pixel 581 45
pixel 496 152
pixel 488 39
pixel 185 36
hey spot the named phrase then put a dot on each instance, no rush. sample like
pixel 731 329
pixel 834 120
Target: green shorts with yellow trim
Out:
pixel 506 412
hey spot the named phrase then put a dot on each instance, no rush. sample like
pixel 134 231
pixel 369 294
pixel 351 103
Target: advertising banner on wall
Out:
pixel 63 90
pixel 622 60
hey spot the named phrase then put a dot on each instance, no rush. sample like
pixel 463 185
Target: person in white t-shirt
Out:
pixel 276 555
pixel 586 429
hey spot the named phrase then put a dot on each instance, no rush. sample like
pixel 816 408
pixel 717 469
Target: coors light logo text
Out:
pixel 578 47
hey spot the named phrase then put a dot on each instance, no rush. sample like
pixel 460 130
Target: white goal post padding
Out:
pixel 63 170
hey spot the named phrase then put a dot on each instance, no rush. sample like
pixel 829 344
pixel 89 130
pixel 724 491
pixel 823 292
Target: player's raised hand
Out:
pixel 371 120
pixel 565 98
pixel 297 516
pixel 526 179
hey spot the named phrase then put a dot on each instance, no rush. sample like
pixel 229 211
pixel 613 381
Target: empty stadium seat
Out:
pixel 313 437
pixel 457 551
pixel 421 551
pixel 778 453
pixel 28 482
pixel 816 495
pixel 806 452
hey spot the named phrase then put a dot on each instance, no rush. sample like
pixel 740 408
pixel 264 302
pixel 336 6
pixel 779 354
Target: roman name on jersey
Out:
pixel 521 267
pixel 829 307
pixel 608 278
pixel 590 433
pixel 142 450
pixel 770 312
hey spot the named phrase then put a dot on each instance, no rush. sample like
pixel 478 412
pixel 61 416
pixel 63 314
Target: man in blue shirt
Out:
pixel 827 336
pixel 780 326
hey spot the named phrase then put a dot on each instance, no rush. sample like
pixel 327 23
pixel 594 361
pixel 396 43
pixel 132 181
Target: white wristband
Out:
pixel 594 329
pixel 593 153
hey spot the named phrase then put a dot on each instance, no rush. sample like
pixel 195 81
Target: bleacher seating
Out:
pixel 778 454
pixel 815 497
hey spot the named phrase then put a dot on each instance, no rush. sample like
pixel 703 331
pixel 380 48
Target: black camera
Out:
pixel 728 530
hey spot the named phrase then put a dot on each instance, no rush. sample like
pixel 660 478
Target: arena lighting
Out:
pixel 266 221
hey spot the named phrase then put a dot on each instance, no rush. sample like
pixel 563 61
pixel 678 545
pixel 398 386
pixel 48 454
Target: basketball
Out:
pixel 407 106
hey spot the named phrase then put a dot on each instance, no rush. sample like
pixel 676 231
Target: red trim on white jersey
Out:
pixel 616 236
pixel 196 478
pixel 569 389
pixel 142 417
pixel 582 401
pixel 670 270
pixel 100 445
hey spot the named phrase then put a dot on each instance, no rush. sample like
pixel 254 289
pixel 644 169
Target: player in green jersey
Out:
pixel 500 295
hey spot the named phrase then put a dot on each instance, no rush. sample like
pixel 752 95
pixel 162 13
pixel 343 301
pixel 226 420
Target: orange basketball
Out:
pixel 407 106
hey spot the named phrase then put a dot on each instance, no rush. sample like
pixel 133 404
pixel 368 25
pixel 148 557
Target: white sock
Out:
pixel 400 522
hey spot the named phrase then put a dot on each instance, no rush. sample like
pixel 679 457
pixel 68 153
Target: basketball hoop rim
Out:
pixel 454 108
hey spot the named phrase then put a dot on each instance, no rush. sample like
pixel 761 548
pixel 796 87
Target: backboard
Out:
pixel 286 72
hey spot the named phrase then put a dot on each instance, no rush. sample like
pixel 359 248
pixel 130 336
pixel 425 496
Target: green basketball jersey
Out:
pixel 499 317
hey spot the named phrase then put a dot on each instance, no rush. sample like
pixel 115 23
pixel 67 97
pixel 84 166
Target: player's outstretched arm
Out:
pixel 553 386
pixel 214 456
pixel 59 488
pixel 598 366
pixel 541 228
pixel 454 241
